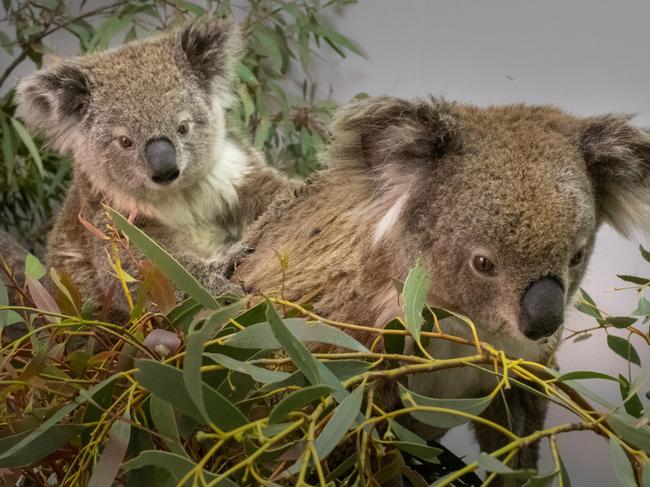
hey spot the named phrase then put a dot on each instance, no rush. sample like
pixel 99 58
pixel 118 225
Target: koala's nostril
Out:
pixel 161 156
pixel 542 309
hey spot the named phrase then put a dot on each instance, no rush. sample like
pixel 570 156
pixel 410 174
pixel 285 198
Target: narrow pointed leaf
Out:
pixel 54 438
pixel 261 335
pixel 259 374
pixel 474 406
pixel 112 455
pixel 164 261
pixel 416 288
pixel 297 400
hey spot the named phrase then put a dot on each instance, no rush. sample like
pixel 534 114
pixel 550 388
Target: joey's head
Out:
pixel 143 120
pixel 502 204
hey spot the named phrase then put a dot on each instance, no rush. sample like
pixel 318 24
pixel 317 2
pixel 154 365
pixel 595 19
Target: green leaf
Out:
pixel 587 305
pixel 5 42
pixel 623 348
pixel 8 317
pixel 423 452
pixel 337 39
pixel 245 74
pixel 176 465
pixel 644 308
pixel 261 335
pixel 112 455
pixel 404 434
pixel 641 281
pixel 303 50
pixel 194 345
pixel 297 400
pixel 394 344
pixel 542 480
pixel 644 253
pixel 416 288
pixel 621 464
pixel 46 4
pixel 166 382
pixel 630 430
pixel 585 374
pixel 24 445
pixel 162 414
pixel 620 321
pixel 343 418
pixel 259 374
pixel 296 350
pixel 491 464
pixel 33 267
pixel 474 406
pixel 632 403
pixel 164 261
pixel 341 369
pixel 29 144
pixel 48 442
pixel 247 102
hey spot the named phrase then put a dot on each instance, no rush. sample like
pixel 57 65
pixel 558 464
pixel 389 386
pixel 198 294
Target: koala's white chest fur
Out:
pixel 195 215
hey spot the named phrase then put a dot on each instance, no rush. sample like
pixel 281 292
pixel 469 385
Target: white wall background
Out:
pixel 585 56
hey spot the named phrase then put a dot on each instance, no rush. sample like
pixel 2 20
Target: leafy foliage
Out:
pixel 277 104
pixel 214 394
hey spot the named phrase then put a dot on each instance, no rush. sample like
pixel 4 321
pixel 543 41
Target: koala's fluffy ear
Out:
pixel 379 130
pixel 211 46
pixel 54 101
pixel 618 158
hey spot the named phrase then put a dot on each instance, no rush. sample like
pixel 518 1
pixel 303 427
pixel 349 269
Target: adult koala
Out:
pixel 146 126
pixel 501 204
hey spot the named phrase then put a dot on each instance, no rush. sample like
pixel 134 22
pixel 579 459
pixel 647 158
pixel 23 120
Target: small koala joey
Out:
pixel 145 124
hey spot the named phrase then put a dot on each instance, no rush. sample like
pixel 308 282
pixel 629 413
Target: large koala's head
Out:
pixel 143 119
pixel 501 203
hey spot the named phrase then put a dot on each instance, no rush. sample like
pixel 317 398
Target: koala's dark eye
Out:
pixel 183 128
pixel 482 264
pixel 578 257
pixel 125 142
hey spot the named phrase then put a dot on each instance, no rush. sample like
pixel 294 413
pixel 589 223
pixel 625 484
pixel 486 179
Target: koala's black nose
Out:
pixel 161 156
pixel 542 308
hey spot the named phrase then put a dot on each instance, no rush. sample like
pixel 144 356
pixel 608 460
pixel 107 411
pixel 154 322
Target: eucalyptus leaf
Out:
pixel 22 133
pixel 474 406
pixel 416 288
pixel 167 383
pixel 194 345
pixel 621 464
pixel 164 261
pixel 260 374
pixel 175 464
pixel 261 336
pixel 48 442
pixel 623 348
pixel 297 400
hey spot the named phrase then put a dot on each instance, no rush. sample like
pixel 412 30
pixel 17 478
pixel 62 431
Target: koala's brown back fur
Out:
pixel 526 187
pixel 109 108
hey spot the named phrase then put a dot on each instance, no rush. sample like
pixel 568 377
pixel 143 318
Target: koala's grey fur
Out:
pixel 143 91
pixel 527 186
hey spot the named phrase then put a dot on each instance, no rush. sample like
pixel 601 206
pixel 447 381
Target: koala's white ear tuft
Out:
pixel 618 158
pixel 212 46
pixel 380 130
pixel 54 101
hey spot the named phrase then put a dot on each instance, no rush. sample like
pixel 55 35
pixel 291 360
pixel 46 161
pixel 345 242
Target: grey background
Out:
pixel 585 56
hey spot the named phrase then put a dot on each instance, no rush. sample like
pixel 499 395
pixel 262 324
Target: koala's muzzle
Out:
pixel 161 156
pixel 542 308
